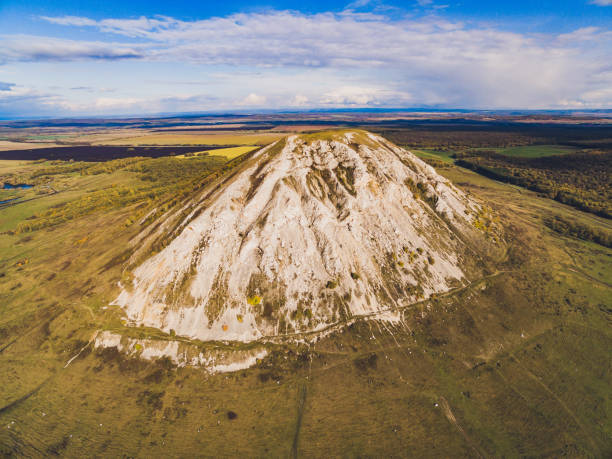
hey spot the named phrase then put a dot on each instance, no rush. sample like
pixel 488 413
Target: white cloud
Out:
pixel 595 35
pixel 17 100
pixel 70 20
pixel 4 86
pixel 253 99
pixel 132 105
pixel 374 60
pixel 363 96
pixel 106 103
pixel 37 48
pixel 299 101
pixel 601 2
pixel 358 4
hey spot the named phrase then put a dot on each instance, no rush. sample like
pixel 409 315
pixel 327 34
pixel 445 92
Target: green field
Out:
pixel 444 156
pixel 516 364
pixel 527 151
pixel 536 151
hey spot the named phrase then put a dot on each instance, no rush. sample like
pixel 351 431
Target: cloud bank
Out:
pixel 376 60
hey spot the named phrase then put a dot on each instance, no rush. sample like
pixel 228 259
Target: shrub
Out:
pixel 254 300
pixel 331 284
pixel 579 230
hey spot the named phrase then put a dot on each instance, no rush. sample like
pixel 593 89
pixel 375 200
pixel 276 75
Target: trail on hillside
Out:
pixel 301 402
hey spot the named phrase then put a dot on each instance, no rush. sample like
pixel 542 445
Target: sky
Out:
pixel 144 57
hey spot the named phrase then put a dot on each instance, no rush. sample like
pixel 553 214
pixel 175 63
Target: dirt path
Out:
pixel 587 276
pixel 451 417
pixel 373 315
pixel 300 412
pixel 23 398
pixel 93 337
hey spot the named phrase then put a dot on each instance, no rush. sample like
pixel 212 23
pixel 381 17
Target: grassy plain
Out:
pixel 221 138
pixel 10 145
pixel 517 364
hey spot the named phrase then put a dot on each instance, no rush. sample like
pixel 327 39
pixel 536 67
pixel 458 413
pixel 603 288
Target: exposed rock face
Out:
pixel 183 354
pixel 314 230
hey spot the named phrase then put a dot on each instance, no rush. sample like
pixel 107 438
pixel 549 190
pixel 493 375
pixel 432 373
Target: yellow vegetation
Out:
pixel 254 300
pixel 229 153
pixel 81 241
pixel 22 262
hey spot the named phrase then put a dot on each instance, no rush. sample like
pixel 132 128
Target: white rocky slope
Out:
pixel 314 230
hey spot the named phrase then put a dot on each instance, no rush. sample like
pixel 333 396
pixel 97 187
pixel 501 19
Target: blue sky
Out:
pixel 76 58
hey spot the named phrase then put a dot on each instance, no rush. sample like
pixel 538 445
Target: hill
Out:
pixel 308 232
pixel 505 351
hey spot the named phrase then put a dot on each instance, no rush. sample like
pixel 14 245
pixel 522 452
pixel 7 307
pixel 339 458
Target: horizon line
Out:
pixel 265 111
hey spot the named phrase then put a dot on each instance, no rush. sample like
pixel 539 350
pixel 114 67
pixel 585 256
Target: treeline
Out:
pixel 112 197
pixel 579 230
pixel 582 180
pixel 171 169
pixel 453 135
pixel 59 167
pixel 453 140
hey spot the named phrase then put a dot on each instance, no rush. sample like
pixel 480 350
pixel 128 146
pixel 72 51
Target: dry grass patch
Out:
pixel 222 138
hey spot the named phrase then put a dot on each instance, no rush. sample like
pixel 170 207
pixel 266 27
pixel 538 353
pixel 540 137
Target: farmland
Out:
pixel 229 153
pixel 200 139
pixel 97 152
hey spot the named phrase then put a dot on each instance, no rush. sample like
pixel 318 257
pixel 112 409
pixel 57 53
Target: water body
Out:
pixel 8 200
pixel 19 186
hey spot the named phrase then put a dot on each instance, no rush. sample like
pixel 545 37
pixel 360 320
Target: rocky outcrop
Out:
pixel 313 230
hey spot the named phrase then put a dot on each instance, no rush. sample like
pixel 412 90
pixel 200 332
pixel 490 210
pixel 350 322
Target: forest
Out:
pixel 520 153
pixel 581 180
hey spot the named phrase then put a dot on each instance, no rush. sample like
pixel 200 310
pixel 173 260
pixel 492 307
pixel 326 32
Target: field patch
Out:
pixel 444 156
pixel 10 145
pixel 96 152
pixel 229 153
pixel 230 138
pixel 536 151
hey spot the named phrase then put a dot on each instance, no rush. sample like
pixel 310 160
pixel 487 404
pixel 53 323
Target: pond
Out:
pixel 18 186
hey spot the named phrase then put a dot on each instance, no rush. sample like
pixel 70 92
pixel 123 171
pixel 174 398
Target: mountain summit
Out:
pixel 307 233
